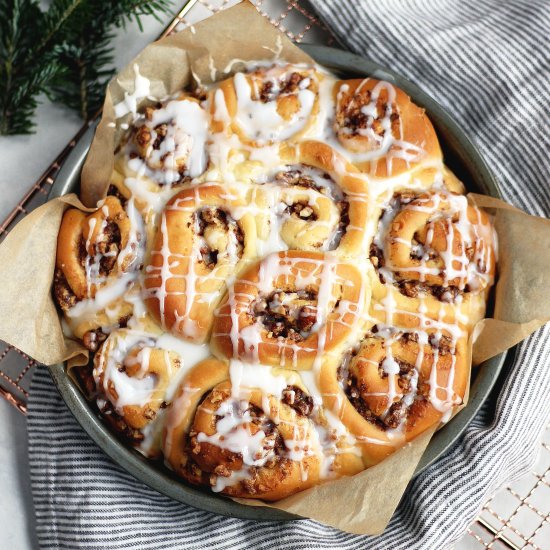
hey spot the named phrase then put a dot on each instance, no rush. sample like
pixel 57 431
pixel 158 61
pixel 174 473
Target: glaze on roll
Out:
pixel 282 285
pixel 98 258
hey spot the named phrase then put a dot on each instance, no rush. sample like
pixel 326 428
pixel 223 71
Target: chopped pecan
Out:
pixel 299 400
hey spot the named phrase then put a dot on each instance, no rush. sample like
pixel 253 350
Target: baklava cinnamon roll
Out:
pixel 384 132
pixel 98 258
pixel 303 230
pixel 205 236
pixel 267 105
pixel 313 203
pixel 169 145
pixel 132 375
pixel 434 243
pixel 399 382
pixel 289 310
pixel 247 431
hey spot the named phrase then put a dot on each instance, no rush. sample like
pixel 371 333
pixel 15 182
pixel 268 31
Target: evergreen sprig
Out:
pixel 64 52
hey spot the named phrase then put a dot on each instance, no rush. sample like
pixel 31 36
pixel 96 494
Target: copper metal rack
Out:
pixel 516 517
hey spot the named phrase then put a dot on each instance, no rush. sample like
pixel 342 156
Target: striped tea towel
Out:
pixel 487 62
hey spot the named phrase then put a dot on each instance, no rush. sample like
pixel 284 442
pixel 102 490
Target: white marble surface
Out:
pixel 23 159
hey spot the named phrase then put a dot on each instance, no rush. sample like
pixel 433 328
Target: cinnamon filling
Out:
pixel 222 462
pixel 298 399
pixel 108 247
pixel 311 178
pixel 220 233
pixel 114 191
pixel 117 423
pixel 288 315
pixel 444 344
pixel 343 223
pixel 308 177
pixel 395 413
pixel 147 138
pixel 356 120
pixel 296 176
pixel 353 393
pixel 63 293
pixel 93 339
pixel 302 211
pixel 411 287
pixel 287 85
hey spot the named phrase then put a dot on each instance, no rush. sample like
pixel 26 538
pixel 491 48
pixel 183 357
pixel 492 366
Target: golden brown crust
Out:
pixel 198 245
pixel 289 309
pixel 279 86
pixel 386 131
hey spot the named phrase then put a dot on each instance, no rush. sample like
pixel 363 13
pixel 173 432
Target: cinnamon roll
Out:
pixel 289 310
pixel 385 133
pixel 399 382
pixel 98 258
pixel 169 145
pixel 434 243
pixel 132 375
pixel 205 235
pixel 313 203
pixel 267 105
pixel 249 432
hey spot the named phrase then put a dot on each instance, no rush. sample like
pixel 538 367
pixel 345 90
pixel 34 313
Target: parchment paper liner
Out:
pixel 30 321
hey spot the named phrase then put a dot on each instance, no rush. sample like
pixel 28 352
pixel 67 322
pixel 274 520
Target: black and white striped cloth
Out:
pixel 487 62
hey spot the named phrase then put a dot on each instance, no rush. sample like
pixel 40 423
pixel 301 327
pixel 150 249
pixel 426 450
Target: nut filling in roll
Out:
pixel 434 243
pixel 281 286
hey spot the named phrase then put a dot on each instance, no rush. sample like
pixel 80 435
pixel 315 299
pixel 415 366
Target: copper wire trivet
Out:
pixel 516 517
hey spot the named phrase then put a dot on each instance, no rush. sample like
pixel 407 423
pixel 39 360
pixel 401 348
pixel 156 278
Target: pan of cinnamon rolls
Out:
pixel 281 285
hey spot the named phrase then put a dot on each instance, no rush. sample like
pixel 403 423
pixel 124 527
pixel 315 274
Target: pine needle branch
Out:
pixel 89 62
pixel 64 52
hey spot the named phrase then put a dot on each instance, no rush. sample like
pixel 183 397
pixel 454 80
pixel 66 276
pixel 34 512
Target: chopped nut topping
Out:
pixel 217 227
pixel 288 315
pixel 299 400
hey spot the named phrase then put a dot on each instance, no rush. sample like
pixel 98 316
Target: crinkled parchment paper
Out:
pixel 29 319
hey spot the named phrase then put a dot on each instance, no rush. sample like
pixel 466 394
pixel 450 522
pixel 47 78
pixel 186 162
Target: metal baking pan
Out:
pixel 460 155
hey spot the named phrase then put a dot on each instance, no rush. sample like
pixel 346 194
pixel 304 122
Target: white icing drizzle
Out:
pixel 445 207
pixel 109 289
pixel 190 154
pixel 277 50
pixel 142 89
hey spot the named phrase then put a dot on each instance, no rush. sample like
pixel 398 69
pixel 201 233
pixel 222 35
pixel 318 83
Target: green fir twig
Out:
pixel 64 52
